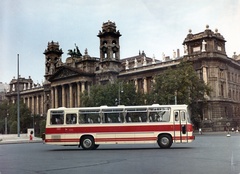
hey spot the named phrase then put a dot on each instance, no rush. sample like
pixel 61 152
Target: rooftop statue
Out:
pixel 75 52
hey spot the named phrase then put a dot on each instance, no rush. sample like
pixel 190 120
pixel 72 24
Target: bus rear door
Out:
pixel 180 126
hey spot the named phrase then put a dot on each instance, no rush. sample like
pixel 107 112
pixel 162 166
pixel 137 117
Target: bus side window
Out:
pixel 183 116
pixel 53 120
pixel 152 116
pixel 89 118
pixel 166 116
pixel 176 116
pixel 57 119
pixel 71 118
pixel 128 117
pixel 82 119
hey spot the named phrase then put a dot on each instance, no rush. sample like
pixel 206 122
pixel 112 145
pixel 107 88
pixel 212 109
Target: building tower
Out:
pixel 204 42
pixel 109 65
pixel 52 58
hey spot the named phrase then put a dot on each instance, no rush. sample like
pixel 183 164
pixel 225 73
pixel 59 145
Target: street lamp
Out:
pixel 33 121
pixel 120 90
pixel 175 97
pixel 6 124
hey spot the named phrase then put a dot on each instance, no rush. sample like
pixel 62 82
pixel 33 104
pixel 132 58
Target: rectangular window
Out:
pixel 136 115
pixel 176 116
pixel 113 115
pixel 89 116
pixel 57 117
pixel 183 115
pixel 196 49
pixel 71 118
pixel 159 114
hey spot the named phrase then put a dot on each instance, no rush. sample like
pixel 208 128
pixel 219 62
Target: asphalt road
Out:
pixel 208 154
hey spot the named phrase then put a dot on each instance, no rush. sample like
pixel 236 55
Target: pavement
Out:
pixel 14 139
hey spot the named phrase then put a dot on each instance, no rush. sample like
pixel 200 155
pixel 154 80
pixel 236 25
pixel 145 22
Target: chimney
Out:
pixel 178 53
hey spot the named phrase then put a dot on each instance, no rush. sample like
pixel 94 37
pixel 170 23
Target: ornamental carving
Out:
pixel 65 73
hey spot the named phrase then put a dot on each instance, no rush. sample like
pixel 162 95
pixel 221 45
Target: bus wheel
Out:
pixel 87 142
pixel 165 141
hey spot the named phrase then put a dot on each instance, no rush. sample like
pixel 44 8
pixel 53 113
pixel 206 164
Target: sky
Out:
pixel 152 26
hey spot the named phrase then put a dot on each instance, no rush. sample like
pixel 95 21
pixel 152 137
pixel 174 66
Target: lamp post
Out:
pixel 120 90
pixel 18 99
pixel 33 123
pixel 6 124
pixel 175 97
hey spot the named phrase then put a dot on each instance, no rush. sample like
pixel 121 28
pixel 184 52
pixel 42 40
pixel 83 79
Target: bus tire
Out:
pixel 87 142
pixel 164 141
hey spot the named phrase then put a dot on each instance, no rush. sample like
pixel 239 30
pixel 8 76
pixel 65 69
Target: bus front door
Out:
pixel 180 127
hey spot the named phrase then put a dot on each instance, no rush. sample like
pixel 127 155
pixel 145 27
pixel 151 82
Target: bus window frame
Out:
pixel 59 113
pixel 89 120
pixel 71 114
pixel 106 111
pixel 129 111
pixel 157 110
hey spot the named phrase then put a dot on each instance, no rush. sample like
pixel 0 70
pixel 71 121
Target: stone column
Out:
pixel 88 86
pixel 28 102
pixel 37 105
pixel 70 95
pixel 63 96
pixel 78 94
pixel 83 86
pixel 52 97
pixel 56 97
pixel 145 85
pixel 136 84
pixel 33 107
pixel 205 75
pixel 42 104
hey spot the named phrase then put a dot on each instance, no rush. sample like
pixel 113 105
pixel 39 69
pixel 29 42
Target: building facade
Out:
pixel 65 81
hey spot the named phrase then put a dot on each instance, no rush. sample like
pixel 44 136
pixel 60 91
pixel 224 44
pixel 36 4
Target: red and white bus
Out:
pixel 89 127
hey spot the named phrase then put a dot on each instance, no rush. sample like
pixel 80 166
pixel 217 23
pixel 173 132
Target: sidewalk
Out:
pixel 14 139
pixel 220 133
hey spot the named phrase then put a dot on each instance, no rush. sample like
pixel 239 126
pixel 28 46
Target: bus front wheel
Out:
pixel 165 141
pixel 87 142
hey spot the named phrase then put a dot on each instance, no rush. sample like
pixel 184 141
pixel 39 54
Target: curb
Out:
pixel 20 142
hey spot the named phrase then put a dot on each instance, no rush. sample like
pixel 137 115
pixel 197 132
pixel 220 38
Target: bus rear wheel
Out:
pixel 87 143
pixel 165 141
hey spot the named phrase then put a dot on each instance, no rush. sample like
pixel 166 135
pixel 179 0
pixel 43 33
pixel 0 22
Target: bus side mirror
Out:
pixel 184 129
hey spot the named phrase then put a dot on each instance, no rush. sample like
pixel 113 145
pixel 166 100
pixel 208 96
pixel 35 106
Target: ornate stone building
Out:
pixel 207 51
pixel 64 81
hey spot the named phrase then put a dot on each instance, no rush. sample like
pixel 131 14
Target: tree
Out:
pixel 110 94
pixel 180 85
pixel 4 112
pixel 13 127
pixel 42 126
pixel 25 116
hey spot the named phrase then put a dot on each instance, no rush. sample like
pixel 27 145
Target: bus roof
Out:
pixel 120 106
